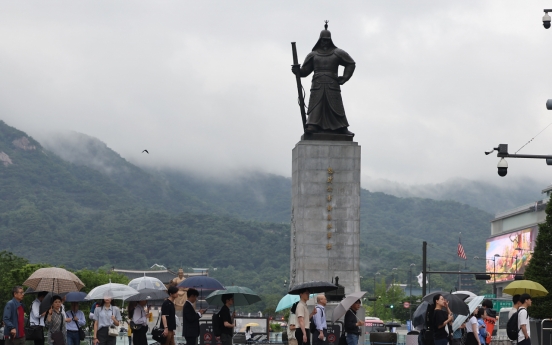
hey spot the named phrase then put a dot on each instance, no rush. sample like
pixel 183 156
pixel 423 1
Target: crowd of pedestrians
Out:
pixel 64 327
pixel 478 328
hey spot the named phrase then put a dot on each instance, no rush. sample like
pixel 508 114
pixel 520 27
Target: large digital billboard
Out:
pixel 514 252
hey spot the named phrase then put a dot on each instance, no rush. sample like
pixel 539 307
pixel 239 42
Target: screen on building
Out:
pixel 510 259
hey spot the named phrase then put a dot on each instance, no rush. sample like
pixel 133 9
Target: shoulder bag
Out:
pixel 82 335
pixel 33 332
pixel 157 333
pixel 58 338
pixel 134 326
pixel 112 331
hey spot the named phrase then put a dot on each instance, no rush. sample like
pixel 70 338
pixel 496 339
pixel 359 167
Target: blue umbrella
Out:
pixel 75 297
pixel 287 301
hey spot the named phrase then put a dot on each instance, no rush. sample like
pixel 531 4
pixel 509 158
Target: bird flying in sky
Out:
pixel 146 151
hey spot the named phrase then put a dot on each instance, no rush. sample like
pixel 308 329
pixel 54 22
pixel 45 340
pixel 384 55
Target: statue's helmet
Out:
pixel 324 35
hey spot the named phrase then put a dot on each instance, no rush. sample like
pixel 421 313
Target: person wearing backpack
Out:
pixel 318 324
pixel 515 307
pixel 226 321
pixel 524 334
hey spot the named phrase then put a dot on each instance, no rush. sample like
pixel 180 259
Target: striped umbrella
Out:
pixel 54 279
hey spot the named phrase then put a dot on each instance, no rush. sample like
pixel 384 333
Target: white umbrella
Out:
pixel 345 304
pixel 470 295
pixel 111 290
pixel 147 283
pixel 471 306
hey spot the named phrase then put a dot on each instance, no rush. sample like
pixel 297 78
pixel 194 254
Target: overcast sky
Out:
pixel 206 85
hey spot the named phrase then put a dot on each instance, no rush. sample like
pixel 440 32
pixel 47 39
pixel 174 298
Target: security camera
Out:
pixel 546 20
pixel 502 167
pixel 549 104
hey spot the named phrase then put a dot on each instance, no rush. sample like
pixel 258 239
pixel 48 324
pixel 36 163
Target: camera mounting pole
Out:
pixel 502 150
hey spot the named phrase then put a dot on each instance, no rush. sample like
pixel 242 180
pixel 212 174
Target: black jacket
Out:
pixel 350 323
pixel 190 324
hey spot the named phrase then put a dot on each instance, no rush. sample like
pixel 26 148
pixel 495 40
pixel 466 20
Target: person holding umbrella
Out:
pixel 35 317
pixel 440 319
pixel 352 324
pixel 302 333
pixel 227 319
pixel 55 322
pixel 191 318
pixel 76 320
pixel 139 316
pixel 292 324
pixel 105 315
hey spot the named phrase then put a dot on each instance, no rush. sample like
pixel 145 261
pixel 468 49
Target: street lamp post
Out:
pixel 375 297
pixel 393 296
pixel 410 297
pixel 494 275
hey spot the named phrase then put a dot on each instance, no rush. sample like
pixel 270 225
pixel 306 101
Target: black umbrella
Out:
pixel 47 301
pixel 313 287
pixel 148 295
pixel 456 305
pixel 419 316
pixel 204 284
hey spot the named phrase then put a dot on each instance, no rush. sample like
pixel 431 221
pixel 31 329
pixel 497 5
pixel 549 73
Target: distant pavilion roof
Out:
pixel 164 275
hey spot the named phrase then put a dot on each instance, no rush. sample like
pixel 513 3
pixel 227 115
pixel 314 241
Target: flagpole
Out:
pixel 459 263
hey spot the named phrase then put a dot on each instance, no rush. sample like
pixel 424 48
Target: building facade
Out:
pixel 510 246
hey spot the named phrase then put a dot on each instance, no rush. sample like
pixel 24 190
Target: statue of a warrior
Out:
pixel 325 110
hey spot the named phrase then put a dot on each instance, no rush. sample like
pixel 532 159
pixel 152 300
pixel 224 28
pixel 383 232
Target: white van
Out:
pixel 502 322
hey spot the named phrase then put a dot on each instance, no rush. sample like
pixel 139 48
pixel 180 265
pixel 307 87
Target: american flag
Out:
pixel 461 252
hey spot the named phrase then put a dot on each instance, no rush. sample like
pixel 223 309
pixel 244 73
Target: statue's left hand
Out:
pixel 341 80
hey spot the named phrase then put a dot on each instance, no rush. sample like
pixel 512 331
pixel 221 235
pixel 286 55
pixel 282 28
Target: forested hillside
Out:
pixel 98 210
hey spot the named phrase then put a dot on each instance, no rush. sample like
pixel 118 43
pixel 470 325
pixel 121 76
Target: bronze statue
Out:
pixel 325 111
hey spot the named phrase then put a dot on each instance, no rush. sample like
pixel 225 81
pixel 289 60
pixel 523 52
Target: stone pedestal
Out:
pixel 325 213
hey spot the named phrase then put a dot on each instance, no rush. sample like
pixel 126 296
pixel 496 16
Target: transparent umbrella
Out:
pixel 111 290
pixel 146 282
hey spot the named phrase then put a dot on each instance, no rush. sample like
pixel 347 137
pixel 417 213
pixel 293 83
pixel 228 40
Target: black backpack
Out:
pixel 217 327
pixel 312 326
pixel 512 329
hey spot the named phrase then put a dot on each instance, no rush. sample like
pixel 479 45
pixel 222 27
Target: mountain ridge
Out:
pixel 90 208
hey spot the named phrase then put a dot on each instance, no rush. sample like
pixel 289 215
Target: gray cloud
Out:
pixel 206 86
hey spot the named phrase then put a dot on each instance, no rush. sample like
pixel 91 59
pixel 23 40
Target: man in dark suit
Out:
pixel 190 324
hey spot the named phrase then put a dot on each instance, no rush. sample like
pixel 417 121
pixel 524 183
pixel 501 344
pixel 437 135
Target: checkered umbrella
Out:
pixel 54 279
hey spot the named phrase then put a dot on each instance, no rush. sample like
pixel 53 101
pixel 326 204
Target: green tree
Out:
pixel 8 262
pixel 540 267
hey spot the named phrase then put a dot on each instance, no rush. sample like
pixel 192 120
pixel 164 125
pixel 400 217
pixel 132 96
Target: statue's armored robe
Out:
pixel 325 108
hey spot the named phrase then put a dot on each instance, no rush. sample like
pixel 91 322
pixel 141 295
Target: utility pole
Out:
pixel 424 268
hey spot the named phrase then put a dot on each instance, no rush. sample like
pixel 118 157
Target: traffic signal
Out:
pixel 482 277
pixel 391 306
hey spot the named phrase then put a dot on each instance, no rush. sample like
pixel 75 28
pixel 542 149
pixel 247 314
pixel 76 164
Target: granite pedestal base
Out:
pixel 325 217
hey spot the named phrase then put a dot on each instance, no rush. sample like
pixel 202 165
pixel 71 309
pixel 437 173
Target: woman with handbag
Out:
pixel 55 322
pixel 107 319
pixel 139 325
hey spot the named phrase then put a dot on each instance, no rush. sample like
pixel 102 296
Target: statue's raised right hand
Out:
pixel 296 69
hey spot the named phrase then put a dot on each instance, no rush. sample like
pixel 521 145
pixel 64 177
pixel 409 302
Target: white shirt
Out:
pixel 523 319
pixel 35 318
pixel 291 321
pixel 140 317
pixel 512 312
pixel 471 322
